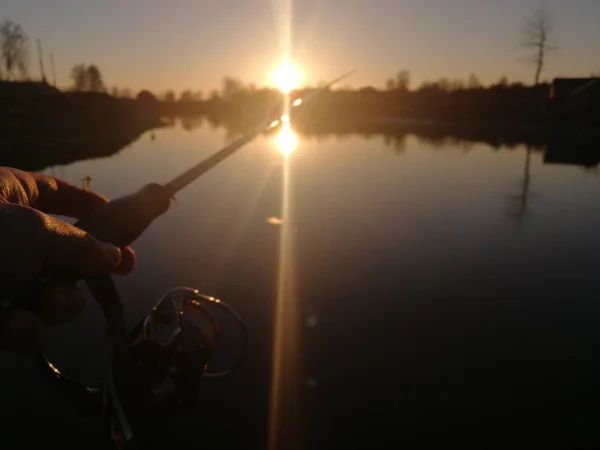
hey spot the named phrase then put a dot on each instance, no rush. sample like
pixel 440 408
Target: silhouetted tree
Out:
pixel 456 85
pixel 13 49
pixel 169 96
pixel 536 38
pixel 87 78
pixel 146 96
pixel 399 83
pixel 231 88
pixel 186 96
pixel 189 96
pixel 403 80
pixel 443 84
pixel 114 91
pixel 79 77
pixel 501 84
pixel 473 82
pixel 94 79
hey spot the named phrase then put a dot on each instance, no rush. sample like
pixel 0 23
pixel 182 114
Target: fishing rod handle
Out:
pixel 119 222
pixel 122 221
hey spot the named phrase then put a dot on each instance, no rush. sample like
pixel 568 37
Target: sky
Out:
pixel 181 44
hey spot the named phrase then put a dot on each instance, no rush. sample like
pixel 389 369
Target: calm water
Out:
pixel 443 292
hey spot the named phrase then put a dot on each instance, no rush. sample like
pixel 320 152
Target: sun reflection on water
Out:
pixel 286 139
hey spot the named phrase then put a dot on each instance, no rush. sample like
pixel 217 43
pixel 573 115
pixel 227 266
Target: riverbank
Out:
pixel 40 125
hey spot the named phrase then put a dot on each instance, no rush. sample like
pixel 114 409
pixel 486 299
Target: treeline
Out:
pixel 241 105
pixel 402 82
pixel 232 89
pixel 444 99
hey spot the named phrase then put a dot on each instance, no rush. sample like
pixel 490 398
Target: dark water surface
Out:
pixel 446 293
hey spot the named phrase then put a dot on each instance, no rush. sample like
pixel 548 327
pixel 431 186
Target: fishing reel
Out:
pixel 157 369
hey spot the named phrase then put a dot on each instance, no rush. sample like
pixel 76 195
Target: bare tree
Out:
pixel 13 49
pixel 536 38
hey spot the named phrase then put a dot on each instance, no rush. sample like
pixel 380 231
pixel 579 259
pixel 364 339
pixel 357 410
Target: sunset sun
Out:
pixel 286 76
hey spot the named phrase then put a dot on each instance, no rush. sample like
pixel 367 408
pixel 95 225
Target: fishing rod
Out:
pixel 155 369
pixel 119 221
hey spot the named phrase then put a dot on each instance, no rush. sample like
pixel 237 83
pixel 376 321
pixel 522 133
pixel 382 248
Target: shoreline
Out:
pixel 41 126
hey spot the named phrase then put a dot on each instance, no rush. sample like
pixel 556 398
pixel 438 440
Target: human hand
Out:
pixel 32 241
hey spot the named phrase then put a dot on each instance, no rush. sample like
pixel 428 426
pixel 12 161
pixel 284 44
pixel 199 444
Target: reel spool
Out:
pixel 158 369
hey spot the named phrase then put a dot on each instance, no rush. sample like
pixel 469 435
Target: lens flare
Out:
pixel 286 139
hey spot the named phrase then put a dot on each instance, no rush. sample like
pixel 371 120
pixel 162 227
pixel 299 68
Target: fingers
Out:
pixel 56 196
pixel 128 262
pixel 22 332
pixel 123 220
pixel 48 194
pixel 59 245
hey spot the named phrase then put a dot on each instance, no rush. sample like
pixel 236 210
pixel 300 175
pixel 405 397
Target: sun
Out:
pixel 286 76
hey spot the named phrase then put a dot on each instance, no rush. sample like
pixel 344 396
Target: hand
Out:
pixel 32 241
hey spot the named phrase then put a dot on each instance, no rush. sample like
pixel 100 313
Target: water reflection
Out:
pixel 191 123
pixel 312 320
pixel 571 149
pixel 284 414
pixel 518 203
pixel 414 301
pixel 579 149
pixel 35 156
pixel 274 221
pixel 286 139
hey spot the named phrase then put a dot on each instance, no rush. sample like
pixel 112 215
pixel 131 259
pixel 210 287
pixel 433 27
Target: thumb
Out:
pixel 59 245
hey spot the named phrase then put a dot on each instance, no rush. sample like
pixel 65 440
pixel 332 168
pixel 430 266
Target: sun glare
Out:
pixel 286 139
pixel 286 76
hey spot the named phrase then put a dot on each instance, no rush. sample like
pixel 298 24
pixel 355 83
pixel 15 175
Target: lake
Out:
pixel 433 290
